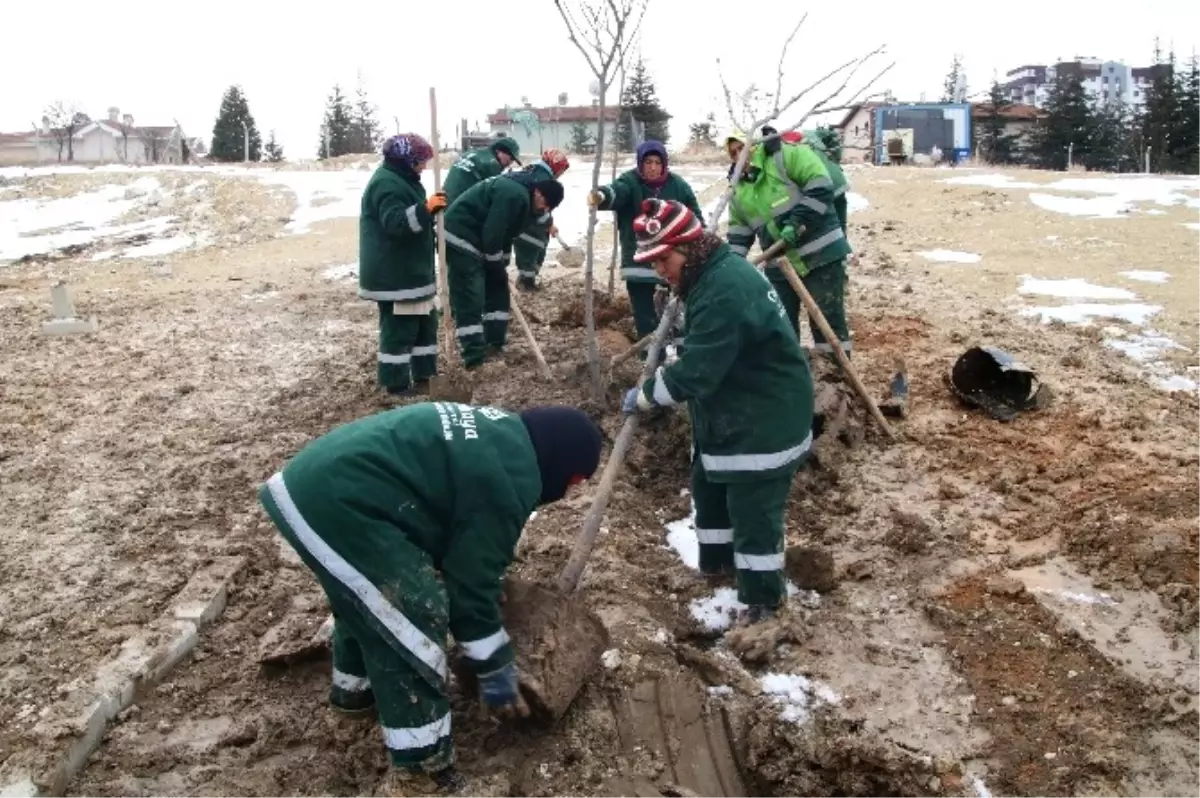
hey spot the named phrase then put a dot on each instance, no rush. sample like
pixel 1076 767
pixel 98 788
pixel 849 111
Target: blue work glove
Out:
pixel 789 234
pixel 499 688
pixel 630 404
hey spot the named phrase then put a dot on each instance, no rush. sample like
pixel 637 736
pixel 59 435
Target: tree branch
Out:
pixel 571 28
pixel 783 55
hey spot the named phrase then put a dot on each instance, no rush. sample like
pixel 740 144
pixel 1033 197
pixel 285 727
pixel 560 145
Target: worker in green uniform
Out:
pixel 478 165
pixel 409 520
pixel 481 226
pixel 395 264
pixel 624 196
pixel 749 394
pixel 786 193
pixel 530 247
pixel 826 143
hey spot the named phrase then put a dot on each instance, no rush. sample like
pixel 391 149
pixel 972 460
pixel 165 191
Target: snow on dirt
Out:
pixel 856 202
pixel 950 256
pixel 1147 276
pixel 1116 198
pixel 953 636
pixel 1133 312
pixel 796 695
pixel 1072 289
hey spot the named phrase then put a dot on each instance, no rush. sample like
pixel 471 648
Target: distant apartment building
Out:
pixel 1107 81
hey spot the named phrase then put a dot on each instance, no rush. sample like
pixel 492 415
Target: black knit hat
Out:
pixel 567 444
pixel 551 191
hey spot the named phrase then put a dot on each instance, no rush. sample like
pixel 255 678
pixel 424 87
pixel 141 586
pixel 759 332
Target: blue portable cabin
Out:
pixel 947 125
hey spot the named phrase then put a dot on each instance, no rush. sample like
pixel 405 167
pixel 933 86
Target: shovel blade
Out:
pixel 451 388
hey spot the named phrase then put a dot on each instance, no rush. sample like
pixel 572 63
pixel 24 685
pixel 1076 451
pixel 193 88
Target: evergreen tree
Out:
pixel 338 126
pixel 228 137
pixel 581 138
pixel 1111 145
pixel 365 135
pixel 950 89
pixel 640 103
pixel 1160 113
pixel 1067 126
pixel 996 144
pixel 704 133
pixel 1185 129
pixel 272 150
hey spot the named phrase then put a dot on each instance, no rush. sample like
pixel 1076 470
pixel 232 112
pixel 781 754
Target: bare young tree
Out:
pixel 154 144
pixel 752 108
pixel 601 31
pixel 64 120
pixel 616 157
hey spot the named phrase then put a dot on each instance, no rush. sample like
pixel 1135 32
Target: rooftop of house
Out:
pixel 1015 112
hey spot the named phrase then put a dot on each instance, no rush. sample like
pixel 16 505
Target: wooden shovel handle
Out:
pixel 543 366
pixel 443 289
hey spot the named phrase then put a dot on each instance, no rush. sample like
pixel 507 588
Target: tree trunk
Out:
pixel 589 298
pixel 616 238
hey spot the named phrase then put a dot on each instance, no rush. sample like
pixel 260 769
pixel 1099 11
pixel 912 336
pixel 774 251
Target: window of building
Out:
pixel 1104 79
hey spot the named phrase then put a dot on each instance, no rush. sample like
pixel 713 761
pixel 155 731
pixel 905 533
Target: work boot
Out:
pixel 401 393
pixel 756 613
pixel 527 284
pixel 402 782
pixel 421 387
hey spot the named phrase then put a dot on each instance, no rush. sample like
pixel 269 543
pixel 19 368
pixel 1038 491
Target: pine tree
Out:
pixel 581 138
pixel 703 134
pixel 1159 113
pixel 950 89
pixel 1068 122
pixel 640 103
pixel 1111 146
pixel 1185 127
pixel 228 136
pixel 997 145
pixel 365 133
pixel 338 126
pixel 272 150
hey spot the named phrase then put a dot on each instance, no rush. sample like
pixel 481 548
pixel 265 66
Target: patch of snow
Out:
pixel 35 227
pixel 1103 207
pixel 681 536
pixel 720 690
pixel 344 271
pixel 1134 313
pixel 160 246
pixel 320 195
pixel 1079 598
pixel 1154 212
pixel 1073 288
pixel 990 181
pixel 1192 225
pixel 981 789
pixel 1144 347
pixel 611 659
pixel 856 202
pixel 1132 188
pixel 796 695
pixel 105 255
pixel 1051 238
pixel 950 256
pixel 1175 382
pixel 716 612
pixel 1147 276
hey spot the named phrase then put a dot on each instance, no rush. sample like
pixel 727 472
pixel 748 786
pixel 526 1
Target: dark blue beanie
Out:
pixel 567 444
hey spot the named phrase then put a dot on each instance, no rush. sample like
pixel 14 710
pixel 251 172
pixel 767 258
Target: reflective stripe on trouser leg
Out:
pixel 758 510
pixel 496 305
pixel 465 277
pixel 396 337
pixel 350 687
pixel 425 348
pixel 713 528
pixel 827 284
pixel 398 621
pixel 645 315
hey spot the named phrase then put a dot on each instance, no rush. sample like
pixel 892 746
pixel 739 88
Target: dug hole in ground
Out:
pixel 1008 608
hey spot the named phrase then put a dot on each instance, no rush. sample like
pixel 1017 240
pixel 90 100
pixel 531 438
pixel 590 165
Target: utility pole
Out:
pixel 245 142
pixel 396 119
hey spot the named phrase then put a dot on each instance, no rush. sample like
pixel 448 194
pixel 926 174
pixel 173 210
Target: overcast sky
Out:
pixel 158 61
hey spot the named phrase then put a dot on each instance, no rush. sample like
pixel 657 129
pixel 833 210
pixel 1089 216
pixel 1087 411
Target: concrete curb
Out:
pixel 83 717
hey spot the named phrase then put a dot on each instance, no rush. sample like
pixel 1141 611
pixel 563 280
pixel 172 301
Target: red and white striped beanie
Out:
pixel 663 225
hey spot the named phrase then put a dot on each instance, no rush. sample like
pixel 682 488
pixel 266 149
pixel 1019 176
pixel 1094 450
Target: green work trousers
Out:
pixel 391 616
pixel 827 284
pixel 407 347
pixel 740 526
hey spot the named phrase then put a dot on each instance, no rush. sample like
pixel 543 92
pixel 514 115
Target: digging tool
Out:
pixel 573 259
pixel 533 344
pixel 453 385
pixel 810 305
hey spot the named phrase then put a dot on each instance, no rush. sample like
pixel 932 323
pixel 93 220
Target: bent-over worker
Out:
pixel 749 394
pixel 481 226
pixel 395 264
pixel 478 165
pixel 530 247
pixel 409 520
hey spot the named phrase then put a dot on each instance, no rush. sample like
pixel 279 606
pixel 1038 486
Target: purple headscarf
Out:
pixel 652 147
pixel 407 149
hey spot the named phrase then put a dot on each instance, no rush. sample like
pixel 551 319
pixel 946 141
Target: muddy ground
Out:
pixel 1016 607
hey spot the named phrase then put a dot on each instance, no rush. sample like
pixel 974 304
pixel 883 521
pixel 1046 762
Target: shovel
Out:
pixel 453 385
